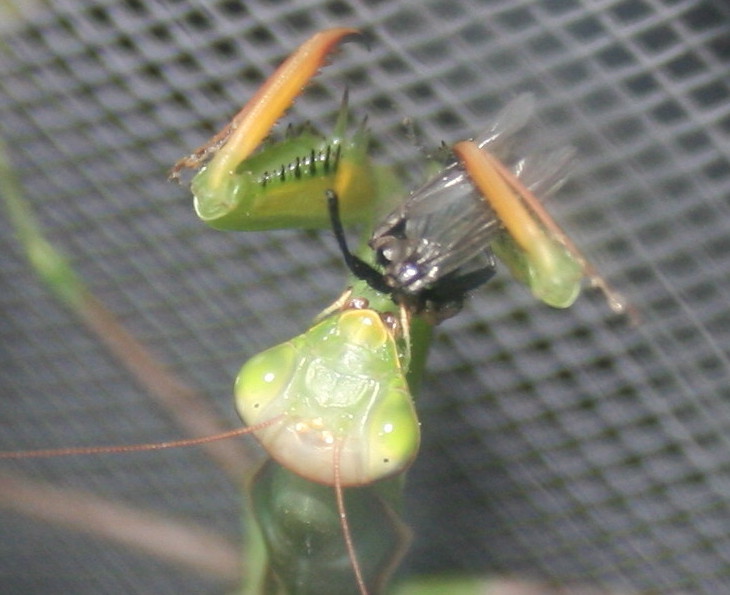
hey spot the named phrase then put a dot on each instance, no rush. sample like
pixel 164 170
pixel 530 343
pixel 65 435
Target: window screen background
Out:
pixel 558 445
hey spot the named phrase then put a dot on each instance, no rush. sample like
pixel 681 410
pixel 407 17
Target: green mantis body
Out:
pixel 337 386
pixel 345 418
pixel 339 397
pixel 333 406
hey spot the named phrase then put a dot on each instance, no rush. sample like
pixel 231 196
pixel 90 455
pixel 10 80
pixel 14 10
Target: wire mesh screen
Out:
pixel 565 446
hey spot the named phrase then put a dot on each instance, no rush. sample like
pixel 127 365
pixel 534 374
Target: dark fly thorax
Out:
pixel 434 247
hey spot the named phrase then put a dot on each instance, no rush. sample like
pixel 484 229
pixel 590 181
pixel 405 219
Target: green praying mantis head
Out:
pixel 341 397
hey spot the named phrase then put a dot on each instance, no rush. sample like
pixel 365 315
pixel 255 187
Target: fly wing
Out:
pixel 543 173
pixel 512 118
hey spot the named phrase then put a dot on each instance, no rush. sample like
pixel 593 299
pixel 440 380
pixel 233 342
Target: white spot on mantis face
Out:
pixel 269 377
pixel 387 428
pixel 300 427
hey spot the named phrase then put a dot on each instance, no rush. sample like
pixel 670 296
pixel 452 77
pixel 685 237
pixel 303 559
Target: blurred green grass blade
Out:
pixel 49 264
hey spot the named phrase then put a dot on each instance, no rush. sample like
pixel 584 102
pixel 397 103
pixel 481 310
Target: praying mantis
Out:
pixel 333 406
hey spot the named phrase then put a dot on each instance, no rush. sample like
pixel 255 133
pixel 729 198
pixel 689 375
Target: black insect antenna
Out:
pixel 358 267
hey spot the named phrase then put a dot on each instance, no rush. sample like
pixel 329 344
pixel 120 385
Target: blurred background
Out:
pixel 561 446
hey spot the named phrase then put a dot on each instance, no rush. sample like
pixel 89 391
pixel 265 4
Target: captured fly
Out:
pixel 435 246
pixel 441 242
pixel 432 249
